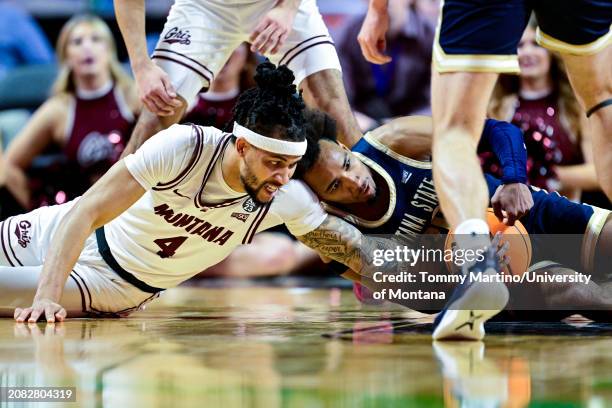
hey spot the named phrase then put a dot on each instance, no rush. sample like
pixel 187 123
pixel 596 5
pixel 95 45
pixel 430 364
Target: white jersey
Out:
pixel 190 219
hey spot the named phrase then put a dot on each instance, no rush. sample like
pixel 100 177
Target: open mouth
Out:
pixel 271 188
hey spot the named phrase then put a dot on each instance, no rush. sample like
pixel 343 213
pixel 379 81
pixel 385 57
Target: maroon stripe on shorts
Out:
pixel 6 255
pixel 80 290
pixel 13 251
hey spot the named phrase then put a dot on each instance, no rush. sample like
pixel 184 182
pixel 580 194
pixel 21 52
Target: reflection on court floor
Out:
pixel 278 347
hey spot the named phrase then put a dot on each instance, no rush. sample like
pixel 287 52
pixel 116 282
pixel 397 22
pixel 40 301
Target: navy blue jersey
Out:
pixel 413 205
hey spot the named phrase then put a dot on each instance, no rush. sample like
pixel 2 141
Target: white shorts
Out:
pixel 200 35
pixel 25 239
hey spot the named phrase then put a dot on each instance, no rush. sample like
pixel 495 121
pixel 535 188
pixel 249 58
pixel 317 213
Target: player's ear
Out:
pixel 241 146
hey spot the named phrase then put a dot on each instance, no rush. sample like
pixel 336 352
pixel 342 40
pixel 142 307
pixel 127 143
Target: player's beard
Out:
pixel 251 184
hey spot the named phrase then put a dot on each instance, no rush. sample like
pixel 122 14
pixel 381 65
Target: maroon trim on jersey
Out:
pixel 216 154
pixel 82 294
pixel 263 210
pixel 212 75
pixel 195 157
pixel 297 46
pixel 305 48
pixel 12 250
pixel 222 204
pixel 248 233
pixel 6 255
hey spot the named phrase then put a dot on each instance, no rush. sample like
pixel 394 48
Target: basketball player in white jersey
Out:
pixel 180 204
pixel 200 35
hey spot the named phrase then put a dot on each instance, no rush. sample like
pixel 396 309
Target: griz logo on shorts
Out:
pixel 176 35
pixel 22 232
pixel 250 206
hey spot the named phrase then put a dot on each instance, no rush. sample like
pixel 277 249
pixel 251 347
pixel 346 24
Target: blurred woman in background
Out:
pixel 89 117
pixel 540 101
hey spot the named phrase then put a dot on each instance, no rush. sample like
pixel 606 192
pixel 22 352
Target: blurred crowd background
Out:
pixel 68 103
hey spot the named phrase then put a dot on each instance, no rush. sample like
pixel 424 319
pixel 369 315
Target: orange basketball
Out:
pixel 520 245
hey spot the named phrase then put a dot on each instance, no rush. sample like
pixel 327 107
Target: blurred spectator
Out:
pixel 89 117
pixel 540 101
pixel 401 87
pixel 22 42
pixel 214 108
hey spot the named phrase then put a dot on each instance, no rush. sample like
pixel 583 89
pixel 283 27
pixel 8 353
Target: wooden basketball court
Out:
pixel 300 347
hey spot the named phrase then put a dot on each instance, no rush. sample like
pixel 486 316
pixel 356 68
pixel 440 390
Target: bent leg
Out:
pixel 325 90
pixel 459 102
pixel 148 124
pixel 591 78
pixel 18 287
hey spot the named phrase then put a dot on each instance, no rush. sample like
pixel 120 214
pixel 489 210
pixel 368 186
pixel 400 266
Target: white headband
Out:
pixel 270 144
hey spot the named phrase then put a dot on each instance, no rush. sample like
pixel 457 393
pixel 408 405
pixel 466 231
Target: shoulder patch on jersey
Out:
pixel 249 205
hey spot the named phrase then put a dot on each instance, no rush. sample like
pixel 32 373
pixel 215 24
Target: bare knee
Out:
pixel 590 76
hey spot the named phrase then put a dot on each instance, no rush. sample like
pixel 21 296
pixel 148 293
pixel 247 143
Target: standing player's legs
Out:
pixel 591 78
pixel 581 32
pixel 459 102
pixel 475 40
pixel 325 90
pixel 310 53
pixel 149 124
pixel 196 42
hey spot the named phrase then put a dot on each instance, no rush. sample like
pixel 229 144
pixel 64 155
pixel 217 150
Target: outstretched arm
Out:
pixel 115 192
pixel 342 242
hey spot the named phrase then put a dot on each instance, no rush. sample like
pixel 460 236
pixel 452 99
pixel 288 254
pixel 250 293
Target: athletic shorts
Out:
pixel 25 240
pixel 560 229
pixel 200 35
pixel 483 35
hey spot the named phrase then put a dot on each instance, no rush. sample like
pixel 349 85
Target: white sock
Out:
pixel 472 234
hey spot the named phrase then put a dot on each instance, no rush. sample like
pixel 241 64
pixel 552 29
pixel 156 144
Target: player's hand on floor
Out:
pixel 515 200
pixel 272 31
pixel 156 91
pixel 44 308
pixel 372 38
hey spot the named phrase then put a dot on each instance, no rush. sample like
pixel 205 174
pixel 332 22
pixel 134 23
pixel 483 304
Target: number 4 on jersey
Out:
pixel 169 245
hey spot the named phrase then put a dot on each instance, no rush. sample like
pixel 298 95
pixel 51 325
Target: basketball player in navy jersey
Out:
pixel 384 186
pixel 476 40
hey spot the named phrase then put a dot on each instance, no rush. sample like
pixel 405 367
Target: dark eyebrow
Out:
pixel 346 161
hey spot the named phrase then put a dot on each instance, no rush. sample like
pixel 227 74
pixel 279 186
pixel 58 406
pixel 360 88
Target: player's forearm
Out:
pixel 342 242
pixel 580 176
pixel 289 4
pixel 131 20
pixel 378 5
pixel 62 255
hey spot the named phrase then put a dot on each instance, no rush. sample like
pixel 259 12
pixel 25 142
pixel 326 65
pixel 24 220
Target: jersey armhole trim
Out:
pixel 386 150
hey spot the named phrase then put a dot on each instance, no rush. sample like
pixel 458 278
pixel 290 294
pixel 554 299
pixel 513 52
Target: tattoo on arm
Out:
pixel 339 240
